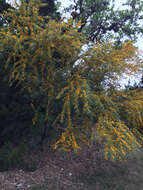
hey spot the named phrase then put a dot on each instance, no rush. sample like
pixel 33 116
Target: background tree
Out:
pixel 100 20
pixel 4 6
pixel 135 85
pixel 49 9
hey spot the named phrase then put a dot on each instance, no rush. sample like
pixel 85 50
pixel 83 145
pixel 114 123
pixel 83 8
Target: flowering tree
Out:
pixel 72 89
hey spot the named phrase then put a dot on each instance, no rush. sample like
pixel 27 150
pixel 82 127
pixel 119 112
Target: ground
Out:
pixel 68 171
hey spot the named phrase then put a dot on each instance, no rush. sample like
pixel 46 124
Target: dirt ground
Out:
pixel 68 171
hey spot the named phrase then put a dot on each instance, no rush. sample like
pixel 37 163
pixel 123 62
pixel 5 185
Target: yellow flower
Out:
pixel 14 36
pixel 32 106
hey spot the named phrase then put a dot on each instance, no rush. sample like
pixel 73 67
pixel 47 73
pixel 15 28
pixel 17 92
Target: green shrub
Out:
pixel 11 156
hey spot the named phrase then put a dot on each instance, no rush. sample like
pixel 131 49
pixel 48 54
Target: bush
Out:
pixel 72 90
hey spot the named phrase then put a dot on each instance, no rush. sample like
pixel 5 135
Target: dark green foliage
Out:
pixel 4 6
pixel 11 156
pixel 15 113
pixel 141 82
pixel 135 85
pixel 48 9
pixel 101 20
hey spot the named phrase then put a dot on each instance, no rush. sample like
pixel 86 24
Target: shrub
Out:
pixel 72 91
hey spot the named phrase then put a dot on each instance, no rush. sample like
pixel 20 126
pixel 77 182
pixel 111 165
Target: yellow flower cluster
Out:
pixel 67 141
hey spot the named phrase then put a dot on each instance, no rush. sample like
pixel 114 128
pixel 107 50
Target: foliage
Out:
pixel 122 123
pixel 72 89
pixel 4 6
pixel 106 63
pixel 11 156
pixel 15 113
pixel 47 8
pixel 16 119
pixel 100 20
pixel 12 114
pixel 135 85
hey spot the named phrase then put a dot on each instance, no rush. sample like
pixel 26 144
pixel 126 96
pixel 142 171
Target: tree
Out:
pixel 141 82
pixel 100 20
pixel 62 80
pixel 48 8
pixel 12 114
pixel 4 6
pixel 135 85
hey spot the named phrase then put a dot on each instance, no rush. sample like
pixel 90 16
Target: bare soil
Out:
pixel 86 170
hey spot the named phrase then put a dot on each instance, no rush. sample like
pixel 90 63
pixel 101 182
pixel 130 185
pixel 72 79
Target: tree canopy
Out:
pixel 72 89
pixel 100 20
pixel 4 6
